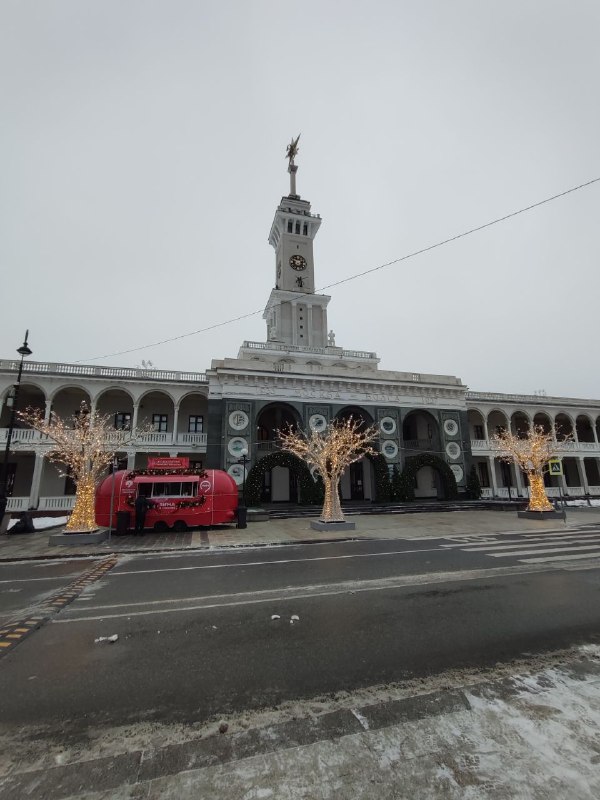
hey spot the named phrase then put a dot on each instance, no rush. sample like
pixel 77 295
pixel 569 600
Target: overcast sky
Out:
pixel 142 154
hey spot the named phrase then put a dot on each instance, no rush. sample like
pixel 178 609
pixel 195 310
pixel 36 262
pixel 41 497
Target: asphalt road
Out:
pixel 197 637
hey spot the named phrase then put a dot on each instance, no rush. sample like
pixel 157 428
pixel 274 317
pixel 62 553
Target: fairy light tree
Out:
pixel 531 454
pixel 329 453
pixel 83 446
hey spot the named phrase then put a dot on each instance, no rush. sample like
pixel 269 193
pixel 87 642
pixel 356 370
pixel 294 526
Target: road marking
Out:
pixel 561 558
pixel 571 536
pixel 537 551
pixel 120 573
pixel 544 543
pixel 305 592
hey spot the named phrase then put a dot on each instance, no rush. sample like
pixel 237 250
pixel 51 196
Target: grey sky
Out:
pixel 142 157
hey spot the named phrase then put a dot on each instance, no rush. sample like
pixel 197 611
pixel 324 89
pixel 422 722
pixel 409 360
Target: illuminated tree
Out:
pixel 329 453
pixel 531 454
pixel 83 446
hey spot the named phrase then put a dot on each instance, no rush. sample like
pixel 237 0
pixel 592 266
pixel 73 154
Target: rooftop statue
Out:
pixel 292 150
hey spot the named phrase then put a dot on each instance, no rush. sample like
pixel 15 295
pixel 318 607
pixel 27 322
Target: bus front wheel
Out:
pixel 180 526
pixel 161 526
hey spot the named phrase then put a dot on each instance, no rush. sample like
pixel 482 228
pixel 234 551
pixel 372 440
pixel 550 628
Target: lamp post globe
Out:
pixel 12 399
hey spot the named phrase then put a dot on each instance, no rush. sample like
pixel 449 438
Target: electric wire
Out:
pixel 370 271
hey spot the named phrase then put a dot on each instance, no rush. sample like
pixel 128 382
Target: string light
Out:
pixel 329 453
pixel 83 447
pixel 531 454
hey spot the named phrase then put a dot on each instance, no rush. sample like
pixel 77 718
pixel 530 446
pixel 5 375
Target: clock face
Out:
pixel 297 262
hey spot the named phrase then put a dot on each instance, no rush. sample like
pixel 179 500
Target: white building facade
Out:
pixel 298 376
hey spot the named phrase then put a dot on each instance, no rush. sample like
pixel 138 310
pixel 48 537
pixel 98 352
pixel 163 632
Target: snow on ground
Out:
pixel 583 503
pixel 41 523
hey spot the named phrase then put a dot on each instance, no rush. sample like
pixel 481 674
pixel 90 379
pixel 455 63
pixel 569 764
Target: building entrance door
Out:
pixel 357 488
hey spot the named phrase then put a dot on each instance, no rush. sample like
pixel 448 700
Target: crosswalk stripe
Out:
pixel 542 543
pixel 529 540
pixel 518 553
pixel 560 558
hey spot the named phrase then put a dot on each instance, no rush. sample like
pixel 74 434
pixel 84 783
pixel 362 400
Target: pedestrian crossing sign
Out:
pixel 555 466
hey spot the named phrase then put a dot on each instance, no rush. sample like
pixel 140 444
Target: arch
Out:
pixel 356 412
pixel 68 387
pixel 477 423
pixel 583 426
pixel 311 491
pixel 544 421
pixel 564 425
pixel 191 393
pixel 155 391
pixel 420 432
pixel 25 384
pixel 414 464
pixel 30 395
pixel 520 423
pixel 313 364
pixel 67 400
pixel 495 421
pixel 102 392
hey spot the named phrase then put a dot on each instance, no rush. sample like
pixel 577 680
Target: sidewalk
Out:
pixel 293 531
pixel 526 731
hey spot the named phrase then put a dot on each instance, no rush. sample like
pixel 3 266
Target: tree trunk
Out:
pixel 538 499
pixel 83 517
pixel 332 509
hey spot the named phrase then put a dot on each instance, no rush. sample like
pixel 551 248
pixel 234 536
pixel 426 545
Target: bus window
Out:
pixel 189 488
pixel 145 489
pixel 166 489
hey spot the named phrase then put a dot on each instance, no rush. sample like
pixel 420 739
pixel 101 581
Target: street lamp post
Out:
pixel 23 351
pixel 242 510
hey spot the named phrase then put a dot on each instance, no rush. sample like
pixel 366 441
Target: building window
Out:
pixel 297 227
pixel 159 422
pixel 479 432
pixel 195 424
pixel 484 477
pixel 290 226
pixel 305 229
pixel 123 421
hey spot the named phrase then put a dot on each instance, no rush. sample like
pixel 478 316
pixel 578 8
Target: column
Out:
pixel 131 459
pixel 34 492
pixel 575 437
pixel 309 324
pixel 134 420
pixel 519 481
pixel 584 480
pixel 294 323
pixel 175 423
pixel 492 465
pixel 486 433
pixel 48 411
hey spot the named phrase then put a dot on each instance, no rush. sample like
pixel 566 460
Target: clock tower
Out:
pixel 295 314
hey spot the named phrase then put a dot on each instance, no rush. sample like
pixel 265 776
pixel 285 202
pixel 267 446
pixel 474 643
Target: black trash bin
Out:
pixel 123 522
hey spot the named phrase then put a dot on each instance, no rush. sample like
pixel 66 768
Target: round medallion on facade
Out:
pixel 458 472
pixel 237 445
pixel 389 449
pixel 317 423
pixel 451 427
pixel 238 420
pixel 453 450
pixel 237 473
pixel 388 425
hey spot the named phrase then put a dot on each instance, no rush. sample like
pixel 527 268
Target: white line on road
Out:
pixel 543 543
pixel 519 553
pixel 119 573
pixel 561 558
pixel 304 592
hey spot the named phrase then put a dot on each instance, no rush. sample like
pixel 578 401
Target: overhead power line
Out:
pixel 352 277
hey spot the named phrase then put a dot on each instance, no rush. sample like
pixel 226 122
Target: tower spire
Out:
pixel 291 153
